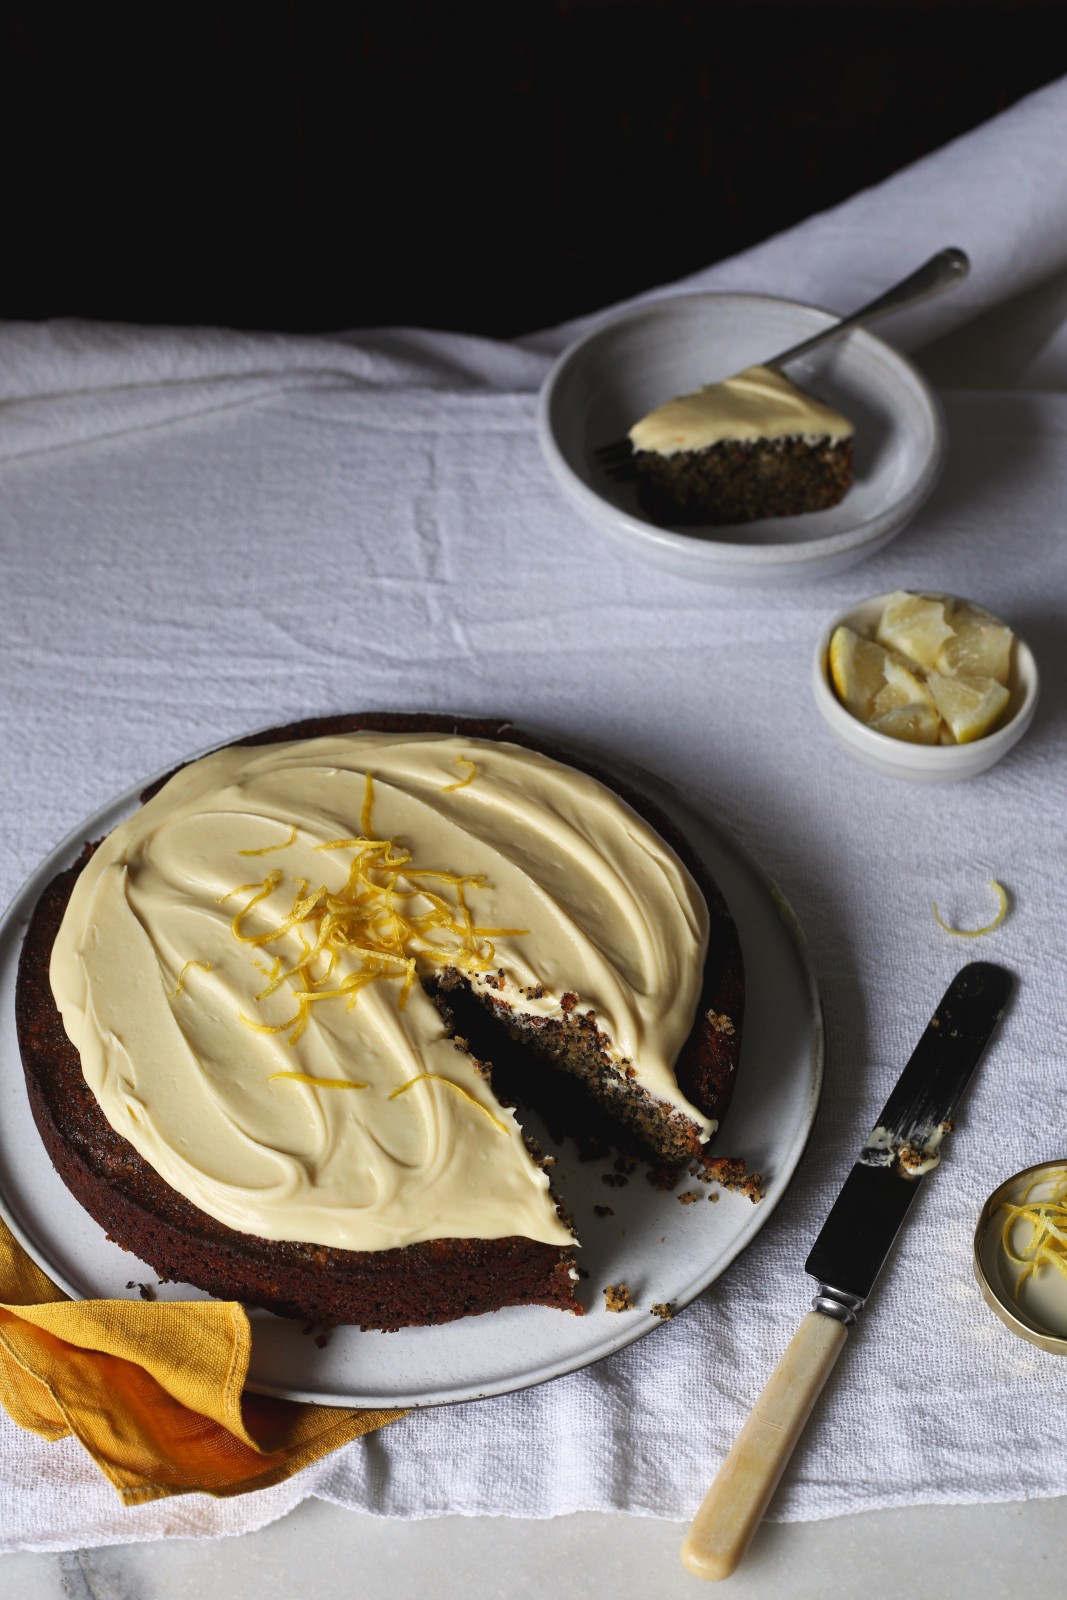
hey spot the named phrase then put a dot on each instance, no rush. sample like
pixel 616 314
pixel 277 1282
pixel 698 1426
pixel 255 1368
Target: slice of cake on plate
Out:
pixel 750 447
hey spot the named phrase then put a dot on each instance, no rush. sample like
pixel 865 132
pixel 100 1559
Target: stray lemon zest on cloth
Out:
pixel 201 966
pixel 423 1077
pixel 976 933
pixel 318 1083
pixel 267 848
pixel 462 761
pixel 368 920
pixel 1047 1244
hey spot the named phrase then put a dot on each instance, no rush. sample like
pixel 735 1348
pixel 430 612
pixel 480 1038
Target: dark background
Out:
pixel 492 167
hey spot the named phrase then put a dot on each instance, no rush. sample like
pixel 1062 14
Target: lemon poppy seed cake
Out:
pixel 235 1024
pixel 750 447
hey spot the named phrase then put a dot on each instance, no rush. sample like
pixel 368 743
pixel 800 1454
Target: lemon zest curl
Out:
pixel 369 920
pixel 318 1083
pixel 268 848
pixel 1047 1243
pixel 438 1078
pixel 201 966
pixel 462 761
pixel 976 933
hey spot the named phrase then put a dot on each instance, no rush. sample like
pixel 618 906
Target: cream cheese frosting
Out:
pixel 212 970
pixel 915 1153
pixel 754 404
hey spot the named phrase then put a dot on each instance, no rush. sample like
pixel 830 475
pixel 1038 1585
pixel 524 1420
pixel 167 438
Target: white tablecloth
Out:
pixel 205 532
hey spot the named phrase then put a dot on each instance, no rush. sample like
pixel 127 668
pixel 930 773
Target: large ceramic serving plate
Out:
pixel 602 384
pixel 663 1250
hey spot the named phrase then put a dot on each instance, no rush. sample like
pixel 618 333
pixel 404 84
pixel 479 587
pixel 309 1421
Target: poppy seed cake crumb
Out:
pixel 617 1297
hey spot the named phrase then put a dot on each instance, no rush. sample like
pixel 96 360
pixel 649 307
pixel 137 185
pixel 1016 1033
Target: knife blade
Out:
pixel 904 1144
pixel 852 1247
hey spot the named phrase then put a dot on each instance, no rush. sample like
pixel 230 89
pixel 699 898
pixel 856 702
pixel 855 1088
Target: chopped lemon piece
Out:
pixel 916 724
pixel 979 648
pixel 857 670
pixel 914 624
pixel 908 682
pixel 970 706
pixel 891 698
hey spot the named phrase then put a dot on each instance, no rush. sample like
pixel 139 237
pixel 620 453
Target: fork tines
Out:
pixel 617 459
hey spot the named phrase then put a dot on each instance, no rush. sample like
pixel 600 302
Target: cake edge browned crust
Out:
pixel 414 1285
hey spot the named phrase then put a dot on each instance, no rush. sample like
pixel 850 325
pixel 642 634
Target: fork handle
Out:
pixel 732 1508
pixel 940 272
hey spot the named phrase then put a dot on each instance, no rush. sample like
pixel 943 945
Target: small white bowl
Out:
pixel 922 763
pixel 603 383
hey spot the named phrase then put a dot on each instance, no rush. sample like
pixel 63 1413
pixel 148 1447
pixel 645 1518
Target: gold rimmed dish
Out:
pixel 1037 1314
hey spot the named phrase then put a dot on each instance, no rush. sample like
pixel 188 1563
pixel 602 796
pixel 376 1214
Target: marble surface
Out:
pixel 957 1553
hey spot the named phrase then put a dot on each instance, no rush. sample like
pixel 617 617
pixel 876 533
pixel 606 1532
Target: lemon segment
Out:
pixel 914 624
pixel 857 671
pixel 892 698
pixel 903 687
pixel 969 706
pixel 916 724
pixel 979 648
pixel 908 682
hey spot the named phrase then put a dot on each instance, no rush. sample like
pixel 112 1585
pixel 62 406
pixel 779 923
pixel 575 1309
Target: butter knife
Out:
pixel 856 1238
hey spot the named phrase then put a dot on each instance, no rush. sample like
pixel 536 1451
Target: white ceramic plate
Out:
pixel 601 385
pixel 665 1251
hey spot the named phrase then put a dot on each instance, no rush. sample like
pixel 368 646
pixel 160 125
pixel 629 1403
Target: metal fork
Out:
pixel 940 272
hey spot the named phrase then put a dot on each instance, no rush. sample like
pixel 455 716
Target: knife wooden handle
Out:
pixel 733 1506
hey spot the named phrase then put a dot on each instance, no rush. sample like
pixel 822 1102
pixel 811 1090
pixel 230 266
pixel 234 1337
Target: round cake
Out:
pixel 238 1013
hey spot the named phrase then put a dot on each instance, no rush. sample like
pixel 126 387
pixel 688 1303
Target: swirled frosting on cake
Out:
pixel 754 404
pixel 238 968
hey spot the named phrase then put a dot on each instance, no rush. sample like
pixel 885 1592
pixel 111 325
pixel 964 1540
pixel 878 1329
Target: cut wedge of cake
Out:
pixel 750 447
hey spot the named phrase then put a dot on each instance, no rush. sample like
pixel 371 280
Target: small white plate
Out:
pixel 664 1251
pixel 921 763
pixel 601 385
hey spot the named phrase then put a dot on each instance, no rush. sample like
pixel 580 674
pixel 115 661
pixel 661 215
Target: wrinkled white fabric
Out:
pixel 205 532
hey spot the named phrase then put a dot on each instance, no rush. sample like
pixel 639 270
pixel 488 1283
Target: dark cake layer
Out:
pixel 736 482
pixel 419 1284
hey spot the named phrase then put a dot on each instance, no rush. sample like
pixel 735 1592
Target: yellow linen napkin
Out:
pixel 154 1390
